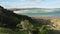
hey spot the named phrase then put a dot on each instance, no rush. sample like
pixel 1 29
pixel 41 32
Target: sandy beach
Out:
pixel 55 22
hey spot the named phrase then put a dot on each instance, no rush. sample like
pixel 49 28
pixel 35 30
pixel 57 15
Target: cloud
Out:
pixel 12 4
pixel 54 4
pixel 18 4
pixel 34 0
pixel 31 4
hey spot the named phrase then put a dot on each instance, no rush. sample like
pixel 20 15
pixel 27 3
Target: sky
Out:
pixel 30 3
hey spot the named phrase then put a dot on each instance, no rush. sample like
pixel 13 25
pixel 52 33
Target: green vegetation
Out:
pixel 27 28
pixel 11 23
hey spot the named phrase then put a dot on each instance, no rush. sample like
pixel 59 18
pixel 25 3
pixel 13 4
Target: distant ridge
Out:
pixel 16 9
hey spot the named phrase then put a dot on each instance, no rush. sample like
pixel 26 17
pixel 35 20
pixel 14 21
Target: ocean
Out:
pixel 57 15
pixel 41 13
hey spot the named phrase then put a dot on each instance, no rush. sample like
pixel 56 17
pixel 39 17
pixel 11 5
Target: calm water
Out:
pixel 42 13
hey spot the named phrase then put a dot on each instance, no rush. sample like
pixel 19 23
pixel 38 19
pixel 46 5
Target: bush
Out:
pixel 27 28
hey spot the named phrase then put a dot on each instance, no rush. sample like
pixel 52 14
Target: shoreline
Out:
pixel 55 21
pixel 44 18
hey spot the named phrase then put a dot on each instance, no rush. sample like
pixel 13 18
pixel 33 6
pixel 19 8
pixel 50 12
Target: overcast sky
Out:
pixel 30 3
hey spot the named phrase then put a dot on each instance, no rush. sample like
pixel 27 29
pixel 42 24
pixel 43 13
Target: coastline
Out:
pixel 55 21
